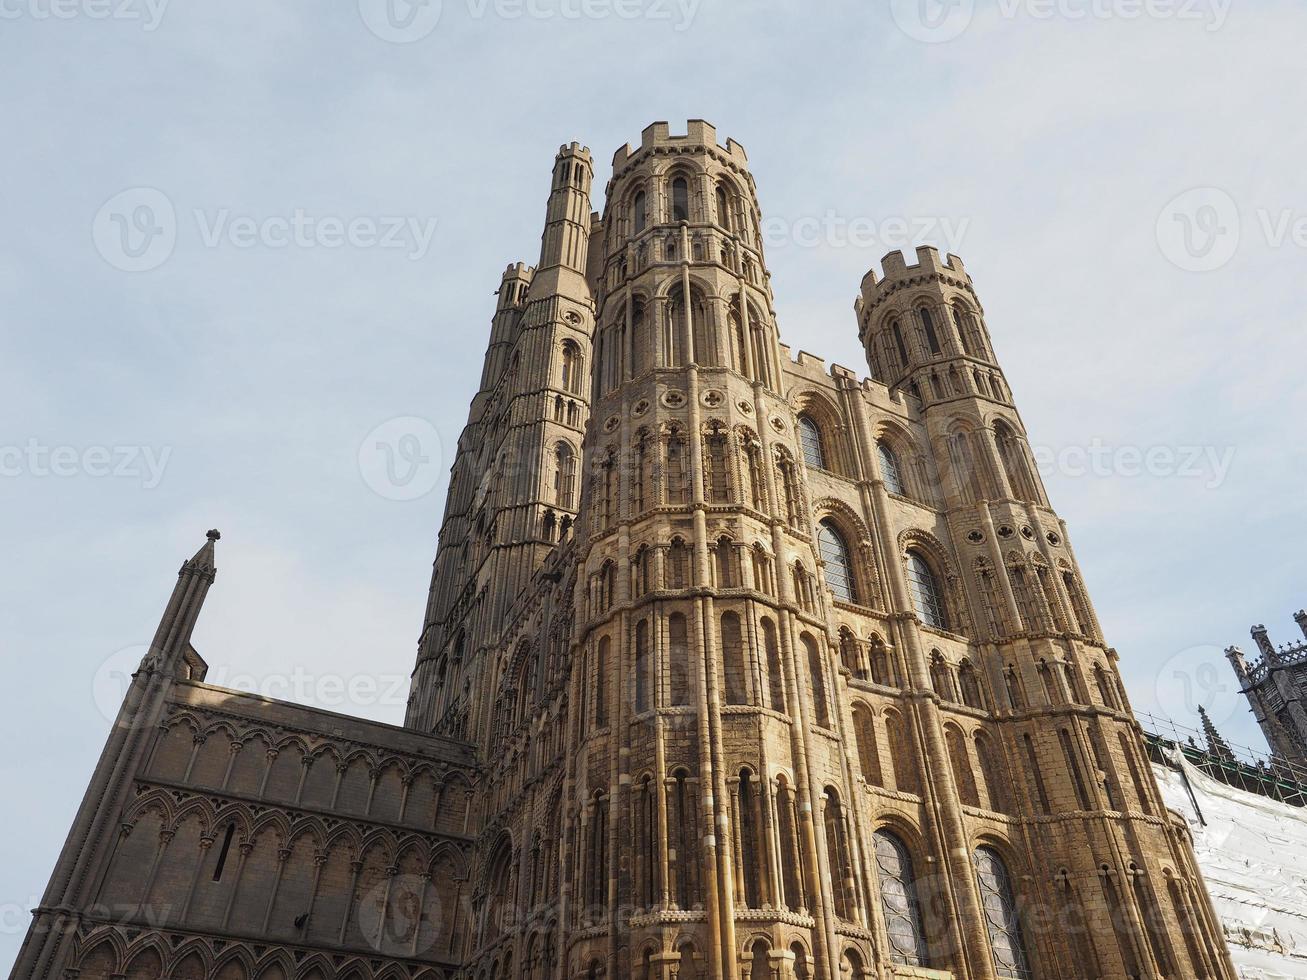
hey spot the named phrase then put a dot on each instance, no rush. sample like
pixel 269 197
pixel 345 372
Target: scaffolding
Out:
pixel 1243 768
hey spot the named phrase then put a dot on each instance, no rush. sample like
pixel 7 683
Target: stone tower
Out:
pixel 514 488
pixel 1275 685
pixel 814 688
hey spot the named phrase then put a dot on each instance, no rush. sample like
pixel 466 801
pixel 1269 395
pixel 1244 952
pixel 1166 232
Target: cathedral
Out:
pixel 734 666
pixel 1275 685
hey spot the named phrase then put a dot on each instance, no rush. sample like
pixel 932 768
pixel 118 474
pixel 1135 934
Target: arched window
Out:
pixel 810 441
pixel 941 677
pixel 678 660
pixel 842 872
pixel 835 558
pixel 564 475
pixel 723 208
pixel 734 663
pixel 882 669
pixel 969 685
pixel 818 677
pixel 902 754
pixel 680 199
pixel 964 776
pixel 1001 920
pixel 900 348
pixel 889 469
pixel 928 328
pixel 675 477
pixel 960 321
pixel 864 731
pixel 898 899
pixel 642 673
pixel 677 565
pixel 641 212
pixel 601 682
pixel 572 363
pixel 1105 692
pixel 927 597
pixel 775 679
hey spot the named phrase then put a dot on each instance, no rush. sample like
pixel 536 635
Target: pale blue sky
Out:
pixel 1056 144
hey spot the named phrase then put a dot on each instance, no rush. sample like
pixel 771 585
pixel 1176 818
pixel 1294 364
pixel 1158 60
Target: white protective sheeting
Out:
pixel 1253 855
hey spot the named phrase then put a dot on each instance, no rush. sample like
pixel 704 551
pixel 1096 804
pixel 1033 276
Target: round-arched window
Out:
pixel 889 469
pixel 810 442
pixel 898 899
pixel 927 597
pixel 838 567
pixel 1000 907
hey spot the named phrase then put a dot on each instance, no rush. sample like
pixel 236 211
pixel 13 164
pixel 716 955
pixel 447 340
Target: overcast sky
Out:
pixel 236 238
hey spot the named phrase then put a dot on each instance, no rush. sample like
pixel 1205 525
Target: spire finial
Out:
pixel 214 534
pixel 1216 745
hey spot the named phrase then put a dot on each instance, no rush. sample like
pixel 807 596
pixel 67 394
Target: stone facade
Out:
pixel 1275 685
pixel 733 666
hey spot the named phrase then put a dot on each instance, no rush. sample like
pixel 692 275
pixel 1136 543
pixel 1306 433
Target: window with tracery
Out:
pixel 889 469
pixel 837 566
pixel 898 899
pixel 810 442
pixel 927 597
pixel 1001 920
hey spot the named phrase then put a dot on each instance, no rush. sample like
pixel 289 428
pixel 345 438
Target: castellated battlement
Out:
pixel 698 133
pixel 896 273
pixel 814 368
pixel 575 149
pixel 518 270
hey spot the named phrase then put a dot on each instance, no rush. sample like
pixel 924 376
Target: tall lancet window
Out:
pixel 680 199
pixel 810 441
pixel 927 597
pixel 564 475
pixel 928 329
pixel 1000 907
pixel 641 212
pixel 838 567
pixel 898 899
pixel 889 469
pixel 723 208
